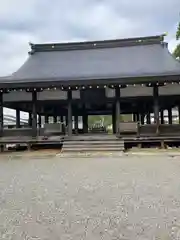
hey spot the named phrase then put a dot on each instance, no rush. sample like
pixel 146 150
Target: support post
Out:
pixel 69 115
pixel 156 107
pixel 55 119
pixel 117 92
pixel 34 114
pixel 142 119
pixel 61 119
pixel 76 124
pixel 170 115
pixel 39 120
pixel 134 117
pixel 85 123
pixel 63 124
pixel 1 120
pixel 18 125
pixel 149 118
pixel 30 120
pixel 114 120
pixel 162 116
pixel 179 113
pixel 1 115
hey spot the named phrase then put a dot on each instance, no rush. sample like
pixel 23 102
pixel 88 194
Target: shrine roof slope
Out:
pixel 120 59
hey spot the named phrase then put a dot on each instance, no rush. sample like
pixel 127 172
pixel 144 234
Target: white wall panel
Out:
pixel 109 92
pixel 76 94
pixel 170 89
pixel 52 95
pixel 17 96
pixel 132 91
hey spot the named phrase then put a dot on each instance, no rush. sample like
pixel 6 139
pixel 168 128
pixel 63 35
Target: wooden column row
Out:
pixel 117 110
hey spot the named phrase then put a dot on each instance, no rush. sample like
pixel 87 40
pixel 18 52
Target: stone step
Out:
pixel 92 149
pixel 91 139
pixel 92 146
pixel 94 143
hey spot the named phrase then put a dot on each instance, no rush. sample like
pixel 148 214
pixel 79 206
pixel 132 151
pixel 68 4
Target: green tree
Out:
pixel 177 50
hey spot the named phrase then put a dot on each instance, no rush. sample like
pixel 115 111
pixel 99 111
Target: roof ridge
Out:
pixel 96 44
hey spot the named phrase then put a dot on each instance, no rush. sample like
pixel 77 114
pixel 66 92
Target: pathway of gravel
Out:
pixel 130 197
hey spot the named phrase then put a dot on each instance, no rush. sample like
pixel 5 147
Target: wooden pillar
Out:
pixel 162 116
pixel 61 119
pixel 85 122
pixel 1 115
pixel 134 117
pixel 69 114
pixel 142 119
pixel 156 107
pixel 34 114
pixel 63 124
pixel 113 120
pixel 148 118
pixel 1 120
pixel 18 124
pixel 117 92
pixel 76 124
pixel 30 120
pixel 55 119
pixel 39 120
pixel 170 115
pixel 179 113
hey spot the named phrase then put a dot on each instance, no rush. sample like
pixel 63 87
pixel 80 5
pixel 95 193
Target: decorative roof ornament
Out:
pixel 32 46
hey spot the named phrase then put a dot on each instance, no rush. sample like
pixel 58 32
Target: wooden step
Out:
pixel 92 150
pixel 93 143
pixel 91 147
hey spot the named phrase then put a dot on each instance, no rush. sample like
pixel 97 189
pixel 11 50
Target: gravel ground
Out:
pixel 130 197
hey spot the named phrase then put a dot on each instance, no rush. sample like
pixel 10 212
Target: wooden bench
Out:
pixel 129 127
pixel 53 129
pixel 17 132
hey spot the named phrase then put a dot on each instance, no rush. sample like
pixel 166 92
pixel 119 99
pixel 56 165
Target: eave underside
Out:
pixel 44 83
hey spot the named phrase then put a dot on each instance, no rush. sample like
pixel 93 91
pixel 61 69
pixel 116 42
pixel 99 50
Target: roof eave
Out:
pixel 95 81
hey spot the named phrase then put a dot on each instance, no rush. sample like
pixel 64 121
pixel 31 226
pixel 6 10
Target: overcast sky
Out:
pixel 39 21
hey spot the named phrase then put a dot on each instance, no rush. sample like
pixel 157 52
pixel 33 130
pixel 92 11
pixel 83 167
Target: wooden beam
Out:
pixel 69 116
pixel 34 114
pixel 156 107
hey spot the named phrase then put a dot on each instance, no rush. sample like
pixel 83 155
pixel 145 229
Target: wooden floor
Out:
pixel 85 137
pixel 150 138
pixel 28 139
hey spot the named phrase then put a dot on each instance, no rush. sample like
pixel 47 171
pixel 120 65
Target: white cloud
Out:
pixel 55 21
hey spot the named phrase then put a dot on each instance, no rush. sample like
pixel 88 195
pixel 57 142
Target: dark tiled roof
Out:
pixel 126 58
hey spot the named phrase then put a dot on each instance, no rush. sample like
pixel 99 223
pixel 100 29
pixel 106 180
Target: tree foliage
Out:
pixel 177 49
pixel 178 32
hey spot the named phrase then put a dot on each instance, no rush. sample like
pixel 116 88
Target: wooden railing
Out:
pixel 129 128
pixel 126 128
